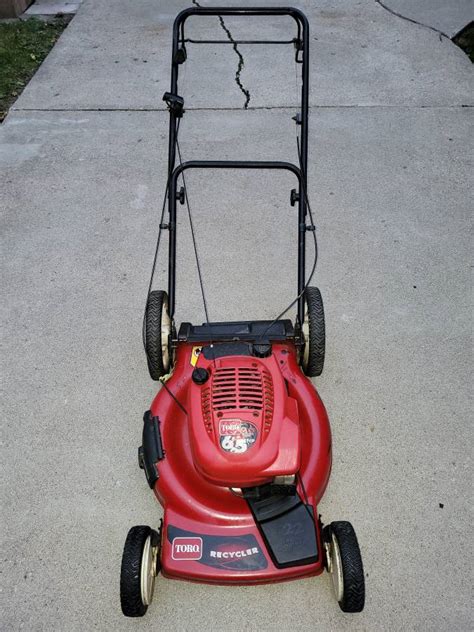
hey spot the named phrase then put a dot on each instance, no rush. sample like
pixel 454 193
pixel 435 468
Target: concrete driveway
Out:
pixel 83 165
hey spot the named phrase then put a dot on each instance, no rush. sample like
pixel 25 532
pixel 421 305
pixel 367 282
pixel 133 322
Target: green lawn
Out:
pixel 23 46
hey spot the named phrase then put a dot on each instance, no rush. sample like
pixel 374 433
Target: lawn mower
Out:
pixel 236 444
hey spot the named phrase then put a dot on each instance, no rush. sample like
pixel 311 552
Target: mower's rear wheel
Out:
pixel 158 327
pixel 344 563
pixel 140 565
pixel 314 333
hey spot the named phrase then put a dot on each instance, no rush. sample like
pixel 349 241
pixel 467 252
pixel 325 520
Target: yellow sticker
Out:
pixel 195 355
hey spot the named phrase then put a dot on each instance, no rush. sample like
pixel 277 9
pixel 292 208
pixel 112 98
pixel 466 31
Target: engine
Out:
pixel 244 427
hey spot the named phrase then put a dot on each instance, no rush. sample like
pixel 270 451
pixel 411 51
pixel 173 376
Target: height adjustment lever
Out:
pixel 175 104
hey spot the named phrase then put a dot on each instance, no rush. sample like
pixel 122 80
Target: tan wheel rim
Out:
pixel 165 334
pixel 305 329
pixel 148 571
pixel 335 568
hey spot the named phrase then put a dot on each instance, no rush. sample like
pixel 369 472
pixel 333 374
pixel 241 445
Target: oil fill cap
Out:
pixel 200 376
pixel 262 350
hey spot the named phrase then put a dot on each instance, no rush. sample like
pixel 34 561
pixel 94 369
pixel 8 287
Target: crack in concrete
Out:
pixel 241 63
pixel 407 19
pixel 255 108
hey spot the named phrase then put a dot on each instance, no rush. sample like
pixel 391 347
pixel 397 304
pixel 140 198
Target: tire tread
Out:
pixel 352 567
pixel 153 349
pixel 317 332
pixel 130 592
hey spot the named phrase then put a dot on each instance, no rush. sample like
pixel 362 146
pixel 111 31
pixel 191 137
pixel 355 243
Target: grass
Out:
pixel 23 46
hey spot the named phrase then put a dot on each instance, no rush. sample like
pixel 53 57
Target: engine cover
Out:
pixel 244 427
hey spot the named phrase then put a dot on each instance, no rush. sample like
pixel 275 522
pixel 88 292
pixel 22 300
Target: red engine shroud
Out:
pixel 244 426
pixel 272 422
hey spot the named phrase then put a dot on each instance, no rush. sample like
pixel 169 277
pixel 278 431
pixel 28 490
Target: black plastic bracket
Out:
pixel 156 536
pixel 294 197
pixel 180 55
pixel 175 103
pixel 299 50
pixel 239 331
pixel 263 492
pixel 151 450
pixel 181 195
pixel 224 349
pixel 287 527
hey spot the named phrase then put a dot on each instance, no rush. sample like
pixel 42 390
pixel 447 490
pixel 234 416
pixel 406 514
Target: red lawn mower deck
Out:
pixel 237 445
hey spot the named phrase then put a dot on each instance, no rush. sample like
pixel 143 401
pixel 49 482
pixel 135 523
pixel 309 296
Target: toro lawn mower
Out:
pixel 237 444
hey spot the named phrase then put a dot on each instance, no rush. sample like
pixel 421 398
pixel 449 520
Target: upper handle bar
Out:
pixel 299 17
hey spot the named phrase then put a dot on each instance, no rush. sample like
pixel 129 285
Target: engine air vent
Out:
pixel 206 408
pixel 243 388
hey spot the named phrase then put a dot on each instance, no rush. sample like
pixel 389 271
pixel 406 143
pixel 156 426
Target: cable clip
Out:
pixel 299 48
pixel 175 104
pixel 297 118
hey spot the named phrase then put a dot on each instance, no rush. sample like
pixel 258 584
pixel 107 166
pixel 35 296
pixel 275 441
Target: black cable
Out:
pixel 153 267
pixel 193 235
pixel 311 225
pixel 313 230
pixel 155 259
pixel 303 489
pixel 170 392
pixel 310 212
pixel 305 497
pixel 196 255
pixel 157 248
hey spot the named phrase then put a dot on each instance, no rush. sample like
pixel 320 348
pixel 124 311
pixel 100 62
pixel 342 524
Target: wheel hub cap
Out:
pixel 305 329
pixel 335 568
pixel 165 335
pixel 148 571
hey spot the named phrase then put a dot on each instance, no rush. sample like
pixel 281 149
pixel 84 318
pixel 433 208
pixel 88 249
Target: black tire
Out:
pixel 153 342
pixel 313 358
pixel 352 569
pixel 130 592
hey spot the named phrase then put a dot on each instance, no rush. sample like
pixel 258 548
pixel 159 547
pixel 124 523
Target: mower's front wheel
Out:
pixel 344 563
pixel 140 565
pixel 158 327
pixel 314 333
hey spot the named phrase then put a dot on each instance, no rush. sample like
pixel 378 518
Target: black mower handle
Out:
pixel 299 17
pixel 227 164
pixel 176 110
